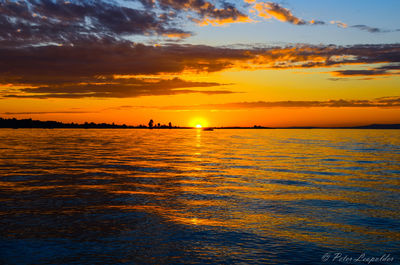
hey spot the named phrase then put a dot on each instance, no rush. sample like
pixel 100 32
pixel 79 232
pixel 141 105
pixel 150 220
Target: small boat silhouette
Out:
pixel 208 129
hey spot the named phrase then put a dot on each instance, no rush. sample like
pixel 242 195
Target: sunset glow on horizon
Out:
pixel 198 122
pixel 245 63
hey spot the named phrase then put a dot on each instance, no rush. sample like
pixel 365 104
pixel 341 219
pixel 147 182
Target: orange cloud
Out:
pixel 269 9
pixel 339 24
pixel 179 35
pixel 223 21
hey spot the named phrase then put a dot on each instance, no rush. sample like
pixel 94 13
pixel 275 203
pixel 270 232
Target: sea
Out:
pixel 176 196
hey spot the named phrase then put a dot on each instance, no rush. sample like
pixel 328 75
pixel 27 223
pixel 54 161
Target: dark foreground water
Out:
pixel 197 197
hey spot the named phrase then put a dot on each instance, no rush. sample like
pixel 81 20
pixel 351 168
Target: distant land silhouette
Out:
pixel 29 123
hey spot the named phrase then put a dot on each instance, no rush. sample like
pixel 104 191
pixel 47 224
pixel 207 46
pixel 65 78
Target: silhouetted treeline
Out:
pixel 29 123
pixel 159 125
pixel 379 126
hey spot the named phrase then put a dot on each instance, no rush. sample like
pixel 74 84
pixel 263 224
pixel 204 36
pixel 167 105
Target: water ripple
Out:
pixel 189 197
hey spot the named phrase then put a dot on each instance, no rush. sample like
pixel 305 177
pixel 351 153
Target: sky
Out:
pixel 189 62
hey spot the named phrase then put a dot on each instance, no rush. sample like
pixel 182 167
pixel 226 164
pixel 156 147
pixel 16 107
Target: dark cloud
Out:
pixel 369 29
pixel 38 22
pixel 87 69
pixel 386 70
pixel 206 11
pixel 390 67
pixel 339 79
pixel 53 64
pixel 98 59
pixel 146 3
pixel 361 27
pixel 369 72
pixel 117 88
pixel 388 102
pixel 46 21
pixel 309 56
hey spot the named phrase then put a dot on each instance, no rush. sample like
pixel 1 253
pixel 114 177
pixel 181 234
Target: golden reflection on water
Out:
pixel 318 186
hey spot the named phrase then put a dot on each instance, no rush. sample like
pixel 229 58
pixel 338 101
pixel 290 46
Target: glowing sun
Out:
pixel 198 123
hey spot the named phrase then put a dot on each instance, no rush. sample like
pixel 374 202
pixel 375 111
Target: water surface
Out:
pixel 75 196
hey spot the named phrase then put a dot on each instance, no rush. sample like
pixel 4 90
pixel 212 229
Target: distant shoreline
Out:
pixel 36 124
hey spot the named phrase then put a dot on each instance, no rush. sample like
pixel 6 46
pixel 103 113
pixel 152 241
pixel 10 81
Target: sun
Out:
pixel 198 122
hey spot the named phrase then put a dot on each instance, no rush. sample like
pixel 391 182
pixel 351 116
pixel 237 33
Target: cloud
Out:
pixel 317 22
pixel 390 67
pixel 386 102
pixel 270 9
pixel 38 22
pixel 179 35
pixel 369 29
pixel 383 102
pixel 46 112
pixel 44 22
pixel 63 22
pixel 87 69
pixel 72 49
pixel 320 56
pixel 387 70
pixel 339 24
pixel 222 21
pixel 339 79
pixel 117 88
pixel 88 59
pixel 207 13
pixel 370 72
